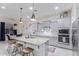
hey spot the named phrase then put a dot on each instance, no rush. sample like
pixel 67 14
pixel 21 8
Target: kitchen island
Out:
pixel 40 45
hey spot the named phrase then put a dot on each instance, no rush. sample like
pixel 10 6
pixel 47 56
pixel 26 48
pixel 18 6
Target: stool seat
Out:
pixel 17 45
pixel 27 50
pixel 12 41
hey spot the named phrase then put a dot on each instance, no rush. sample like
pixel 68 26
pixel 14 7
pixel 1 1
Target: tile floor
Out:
pixel 56 51
pixel 53 51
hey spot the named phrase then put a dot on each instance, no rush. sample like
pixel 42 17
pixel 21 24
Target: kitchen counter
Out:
pixel 35 40
pixel 40 45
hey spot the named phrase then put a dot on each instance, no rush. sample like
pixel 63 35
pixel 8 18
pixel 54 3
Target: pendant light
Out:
pixel 33 14
pixel 21 15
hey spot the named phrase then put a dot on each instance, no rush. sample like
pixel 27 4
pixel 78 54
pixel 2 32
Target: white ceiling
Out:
pixel 12 9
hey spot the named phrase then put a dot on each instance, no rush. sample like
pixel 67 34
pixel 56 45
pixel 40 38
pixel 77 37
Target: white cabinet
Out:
pixel 53 41
pixel 64 22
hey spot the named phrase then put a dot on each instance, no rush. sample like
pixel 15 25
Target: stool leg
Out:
pixel 29 54
pixel 14 51
pixel 32 53
pixel 23 54
pixel 10 51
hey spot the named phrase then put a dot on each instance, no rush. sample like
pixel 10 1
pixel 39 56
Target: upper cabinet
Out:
pixel 64 23
pixel 43 26
pixel 65 14
pixel 65 19
pixel 49 27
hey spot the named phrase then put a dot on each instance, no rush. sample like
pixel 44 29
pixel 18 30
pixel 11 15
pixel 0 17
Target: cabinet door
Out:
pixel 53 41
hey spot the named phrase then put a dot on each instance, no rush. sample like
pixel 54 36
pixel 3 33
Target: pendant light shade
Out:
pixel 20 20
pixel 33 17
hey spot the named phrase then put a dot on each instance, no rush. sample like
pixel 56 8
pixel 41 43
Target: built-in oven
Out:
pixel 63 36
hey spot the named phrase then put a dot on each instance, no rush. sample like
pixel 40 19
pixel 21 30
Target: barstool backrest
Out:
pixel 8 37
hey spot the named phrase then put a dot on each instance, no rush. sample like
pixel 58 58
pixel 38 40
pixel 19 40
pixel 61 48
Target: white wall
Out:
pixel 8 22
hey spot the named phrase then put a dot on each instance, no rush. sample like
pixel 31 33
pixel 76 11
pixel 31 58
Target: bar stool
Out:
pixel 13 41
pixel 18 47
pixel 14 47
pixel 27 51
pixel 10 50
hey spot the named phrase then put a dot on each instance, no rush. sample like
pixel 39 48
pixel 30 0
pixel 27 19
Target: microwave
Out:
pixel 64 31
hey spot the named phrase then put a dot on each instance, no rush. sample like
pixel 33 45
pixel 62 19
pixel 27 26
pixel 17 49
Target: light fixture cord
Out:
pixel 21 13
pixel 33 6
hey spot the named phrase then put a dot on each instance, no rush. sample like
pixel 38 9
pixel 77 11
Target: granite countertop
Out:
pixel 36 40
pixel 45 35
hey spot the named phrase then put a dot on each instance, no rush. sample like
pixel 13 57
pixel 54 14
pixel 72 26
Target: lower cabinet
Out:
pixel 53 41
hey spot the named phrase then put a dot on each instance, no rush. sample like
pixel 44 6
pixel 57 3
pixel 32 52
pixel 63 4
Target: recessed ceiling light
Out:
pixel 31 8
pixel 3 7
pixel 56 8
